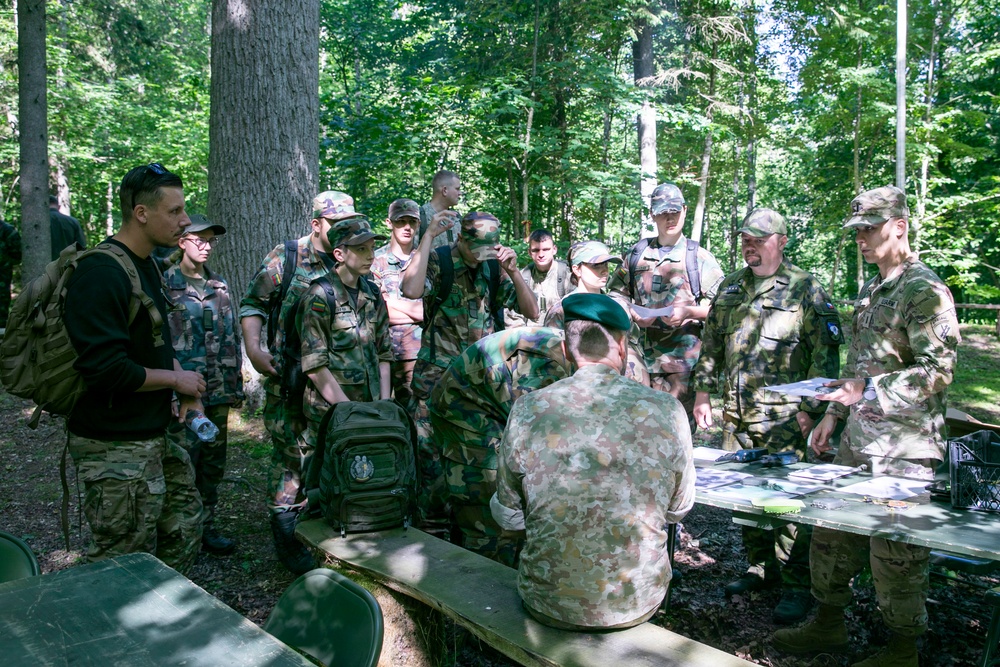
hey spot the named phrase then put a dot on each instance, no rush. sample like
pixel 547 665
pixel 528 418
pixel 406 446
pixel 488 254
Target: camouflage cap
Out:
pixel 353 231
pixel 404 208
pixel 200 223
pixel 667 198
pixel 763 222
pixel 333 205
pixel 592 252
pixel 481 228
pixel 873 207
pixel 599 308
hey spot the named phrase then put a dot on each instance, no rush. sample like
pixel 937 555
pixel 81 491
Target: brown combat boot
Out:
pixel 901 652
pixel 826 633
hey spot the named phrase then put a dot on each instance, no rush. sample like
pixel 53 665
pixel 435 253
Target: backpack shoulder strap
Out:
pixel 139 296
pixel 287 272
pixel 633 261
pixel 693 271
pixel 446 272
pixel 561 282
pixel 494 288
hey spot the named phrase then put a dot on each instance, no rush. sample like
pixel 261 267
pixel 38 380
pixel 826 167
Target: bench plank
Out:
pixel 481 595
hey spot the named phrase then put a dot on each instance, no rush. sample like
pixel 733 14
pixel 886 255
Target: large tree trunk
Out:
pixel 33 140
pixel 706 158
pixel 642 70
pixel 263 128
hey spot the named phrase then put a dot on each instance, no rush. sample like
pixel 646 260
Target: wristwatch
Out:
pixel 869 392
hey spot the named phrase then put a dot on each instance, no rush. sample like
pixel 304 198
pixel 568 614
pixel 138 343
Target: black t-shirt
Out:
pixel 113 355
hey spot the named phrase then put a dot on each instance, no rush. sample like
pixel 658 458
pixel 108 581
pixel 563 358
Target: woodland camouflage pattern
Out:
pixel 387 270
pixel 599 465
pixel 545 287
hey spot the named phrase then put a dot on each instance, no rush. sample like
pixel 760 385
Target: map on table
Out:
pixel 809 387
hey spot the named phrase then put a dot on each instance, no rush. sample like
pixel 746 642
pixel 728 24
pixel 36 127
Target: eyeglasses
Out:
pixel 155 167
pixel 201 243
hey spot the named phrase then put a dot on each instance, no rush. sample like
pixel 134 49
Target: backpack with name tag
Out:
pixel 363 475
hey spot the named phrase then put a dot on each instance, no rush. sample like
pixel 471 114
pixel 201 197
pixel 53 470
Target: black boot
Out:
pixel 214 543
pixel 292 553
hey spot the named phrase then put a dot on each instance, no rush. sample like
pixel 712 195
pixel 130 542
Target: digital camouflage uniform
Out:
pixel 661 280
pixel 206 339
pixel 284 483
pixel 10 254
pixel 765 331
pixel 347 338
pixel 546 288
pixel 905 337
pixel 469 408
pixel 387 270
pixel 595 468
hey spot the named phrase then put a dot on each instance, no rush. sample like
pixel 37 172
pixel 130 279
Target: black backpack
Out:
pixel 363 474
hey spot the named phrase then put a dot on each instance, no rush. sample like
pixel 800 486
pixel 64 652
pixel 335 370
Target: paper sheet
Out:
pixel 710 454
pixel 641 311
pixel 809 387
pixel 823 472
pixel 746 494
pixel 890 488
pixel 707 478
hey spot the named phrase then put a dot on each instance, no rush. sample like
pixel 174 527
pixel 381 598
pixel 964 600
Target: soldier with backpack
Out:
pixel 273 293
pixel 549 278
pixel 675 273
pixel 465 286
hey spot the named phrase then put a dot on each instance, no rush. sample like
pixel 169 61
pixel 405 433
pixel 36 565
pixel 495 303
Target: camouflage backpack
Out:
pixel 36 355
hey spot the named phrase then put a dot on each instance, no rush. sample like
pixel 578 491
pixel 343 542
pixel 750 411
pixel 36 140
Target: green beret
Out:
pixel 599 308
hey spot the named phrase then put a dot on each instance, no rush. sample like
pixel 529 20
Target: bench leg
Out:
pixel 671 546
pixel 990 658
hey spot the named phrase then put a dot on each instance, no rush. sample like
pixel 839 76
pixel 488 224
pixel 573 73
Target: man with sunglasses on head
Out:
pixel 140 490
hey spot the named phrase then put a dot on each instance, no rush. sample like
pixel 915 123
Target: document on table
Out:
pixel 823 472
pixel 707 478
pixel 708 454
pixel 747 494
pixel 890 488
pixel 652 312
pixel 808 388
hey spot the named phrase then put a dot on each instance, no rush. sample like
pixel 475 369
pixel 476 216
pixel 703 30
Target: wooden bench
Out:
pixel 481 596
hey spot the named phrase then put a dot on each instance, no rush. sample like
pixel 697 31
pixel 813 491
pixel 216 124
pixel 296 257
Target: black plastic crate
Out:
pixel 975 471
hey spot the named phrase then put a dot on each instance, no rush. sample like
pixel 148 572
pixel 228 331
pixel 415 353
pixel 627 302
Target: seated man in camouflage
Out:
pixel 575 474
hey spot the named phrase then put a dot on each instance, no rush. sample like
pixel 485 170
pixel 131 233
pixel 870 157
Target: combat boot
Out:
pixel 794 605
pixel 293 554
pixel 752 582
pixel 214 543
pixel 827 633
pixel 901 652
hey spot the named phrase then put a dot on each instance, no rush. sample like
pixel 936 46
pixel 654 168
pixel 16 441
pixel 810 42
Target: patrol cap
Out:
pixel 592 252
pixel 599 308
pixel 200 223
pixel 481 228
pixel 353 231
pixel 667 198
pixel 404 208
pixel 334 205
pixel 763 222
pixel 873 207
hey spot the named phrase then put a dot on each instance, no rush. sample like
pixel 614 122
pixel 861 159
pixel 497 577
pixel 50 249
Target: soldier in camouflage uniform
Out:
pixel 770 323
pixel 345 330
pixel 662 278
pixel 899 366
pixel 405 315
pixel 447 192
pixel 263 301
pixel 205 339
pixel 10 254
pixel 547 277
pixel 594 468
pixel 462 319
pixel 469 408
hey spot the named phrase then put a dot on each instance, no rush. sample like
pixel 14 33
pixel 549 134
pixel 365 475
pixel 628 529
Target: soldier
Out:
pixel 469 408
pixel 345 330
pixel 661 272
pixel 575 474
pixel 206 339
pixel 64 230
pixel 405 315
pixel 10 254
pixel 547 277
pixel 272 293
pixel 481 277
pixel 899 366
pixel 770 323
pixel 447 192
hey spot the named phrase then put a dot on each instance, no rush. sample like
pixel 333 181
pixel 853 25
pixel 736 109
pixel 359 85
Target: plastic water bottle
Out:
pixel 201 425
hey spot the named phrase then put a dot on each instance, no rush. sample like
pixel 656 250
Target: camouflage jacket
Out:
pixel 905 337
pixel 349 340
pixel 387 270
pixel 265 286
pixel 766 331
pixel 205 336
pixel 546 288
pixel 594 468
pixel 470 403
pixel 661 280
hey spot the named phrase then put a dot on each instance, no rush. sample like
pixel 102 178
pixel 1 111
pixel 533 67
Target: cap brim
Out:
pixel 364 237
pixel 218 229
pixel 601 259
pixel 337 217
pixel 865 221
pixel 666 208
pixel 754 232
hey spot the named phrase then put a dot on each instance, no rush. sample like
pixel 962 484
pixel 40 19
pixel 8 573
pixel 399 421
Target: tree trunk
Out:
pixel 925 162
pixel 752 111
pixel 602 216
pixel 642 69
pixel 263 128
pixel 33 140
pixel 706 158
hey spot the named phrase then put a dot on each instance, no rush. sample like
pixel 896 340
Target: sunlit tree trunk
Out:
pixel 33 139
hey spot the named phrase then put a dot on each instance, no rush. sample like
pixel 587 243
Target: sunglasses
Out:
pixel 201 243
pixel 155 167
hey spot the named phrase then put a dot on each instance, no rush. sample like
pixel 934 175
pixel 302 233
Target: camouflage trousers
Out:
pixel 287 459
pixel 401 377
pixel 432 496
pixel 677 385
pixel 900 571
pixel 470 489
pixel 207 458
pixel 139 496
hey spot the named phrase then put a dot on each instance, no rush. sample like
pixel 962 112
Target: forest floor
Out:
pixel 709 555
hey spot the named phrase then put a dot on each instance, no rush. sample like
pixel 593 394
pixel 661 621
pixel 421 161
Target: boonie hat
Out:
pixel 354 231
pixel 667 198
pixel 599 308
pixel 763 222
pixel 481 228
pixel 592 252
pixel 334 205
pixel 404 208
pixel 200 223
pixel 873 207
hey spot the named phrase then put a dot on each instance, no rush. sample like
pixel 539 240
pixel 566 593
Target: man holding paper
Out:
pixel 770 323
pixel 901 360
